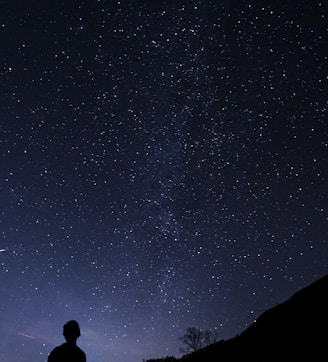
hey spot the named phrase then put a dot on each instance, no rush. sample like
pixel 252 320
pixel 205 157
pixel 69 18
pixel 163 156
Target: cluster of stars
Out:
pixel 162 166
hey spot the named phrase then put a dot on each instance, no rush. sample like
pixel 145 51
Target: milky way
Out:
pixel 163 166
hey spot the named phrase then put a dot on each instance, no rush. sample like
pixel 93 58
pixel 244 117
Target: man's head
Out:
pixel 71 331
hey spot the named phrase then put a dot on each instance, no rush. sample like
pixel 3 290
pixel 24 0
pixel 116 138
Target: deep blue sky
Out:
pixel 163 164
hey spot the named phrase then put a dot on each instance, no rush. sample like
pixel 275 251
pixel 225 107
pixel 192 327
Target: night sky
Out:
pixel 163 165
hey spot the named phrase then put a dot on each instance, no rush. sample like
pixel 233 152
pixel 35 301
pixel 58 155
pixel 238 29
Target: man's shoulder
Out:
pixel 80 350
pixel 82 354
pixel 66 350
pixel 58 349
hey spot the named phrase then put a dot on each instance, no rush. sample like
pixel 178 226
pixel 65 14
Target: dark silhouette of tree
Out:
pixel 166 359
pixel 210 337
pixel 192 340
pixel 195 339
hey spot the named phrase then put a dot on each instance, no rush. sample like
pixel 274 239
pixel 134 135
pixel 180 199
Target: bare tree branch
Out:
pixel 195 339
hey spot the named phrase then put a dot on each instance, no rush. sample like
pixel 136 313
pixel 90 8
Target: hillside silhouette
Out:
pixel 293 330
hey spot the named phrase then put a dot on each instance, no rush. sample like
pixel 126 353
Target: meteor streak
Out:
pixel 26 335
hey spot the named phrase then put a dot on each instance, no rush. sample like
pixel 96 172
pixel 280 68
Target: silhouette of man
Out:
pixel 69 351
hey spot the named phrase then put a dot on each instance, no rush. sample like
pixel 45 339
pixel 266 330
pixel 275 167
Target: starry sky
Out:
pixel 163 165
